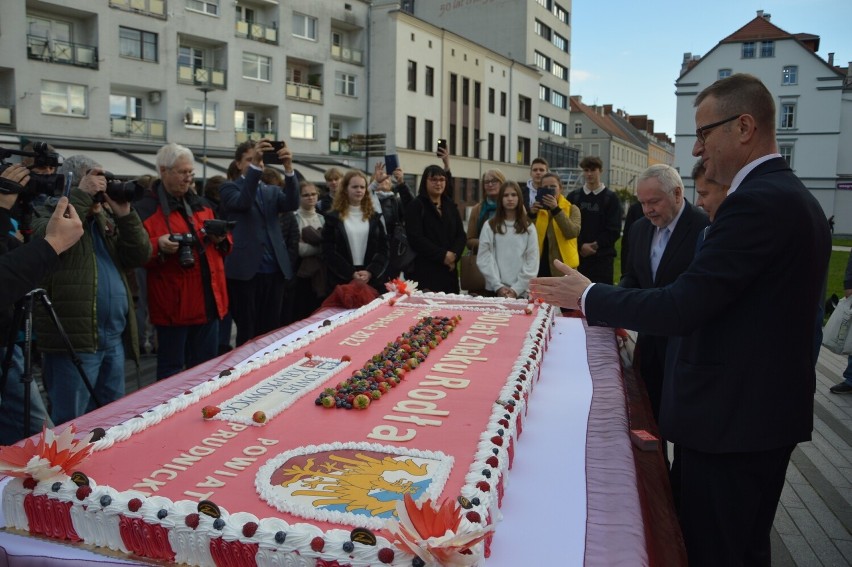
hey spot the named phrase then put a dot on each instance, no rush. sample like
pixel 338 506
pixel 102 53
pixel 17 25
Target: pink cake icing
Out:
pixel 271 477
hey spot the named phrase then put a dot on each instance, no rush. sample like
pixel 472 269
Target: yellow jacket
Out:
pixel 562 230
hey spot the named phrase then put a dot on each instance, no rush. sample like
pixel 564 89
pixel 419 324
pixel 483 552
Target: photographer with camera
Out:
pixel 187 294
pixel 22 267
pixel 90 292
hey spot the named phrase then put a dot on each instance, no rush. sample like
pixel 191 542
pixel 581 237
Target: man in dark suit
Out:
pixel 663 246
pixel 259 265
pixel 739 382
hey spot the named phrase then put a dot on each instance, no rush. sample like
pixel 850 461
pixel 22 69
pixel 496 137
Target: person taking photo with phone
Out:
pixel 260 267
pixel 557 223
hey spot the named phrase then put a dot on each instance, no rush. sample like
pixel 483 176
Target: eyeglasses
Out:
pixel 183 172
pixel 490 181
pixel 701 131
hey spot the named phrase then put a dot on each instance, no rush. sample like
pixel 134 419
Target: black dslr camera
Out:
pixel 119 191
pixel 185 244
pixel 40 183
pixel 218 227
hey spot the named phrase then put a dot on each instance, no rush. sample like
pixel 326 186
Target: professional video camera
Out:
pixel 40 183
pixel 218 227
pixel 119 191
pixel 185 244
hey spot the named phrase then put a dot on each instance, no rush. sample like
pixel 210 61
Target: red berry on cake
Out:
pixel 386 555
pixel 30 483
pixel 249 529
pixel 134 505
pixel 317 544
pixel 192 520
pixel 83 492
pixel 346 358
pixel 207 412
pixel 259 417
pixel 473 516
pixel 309 355
pixel 483 486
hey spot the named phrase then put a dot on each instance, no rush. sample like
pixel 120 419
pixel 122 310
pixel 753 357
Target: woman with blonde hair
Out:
pixel 484 210
pixel 354 242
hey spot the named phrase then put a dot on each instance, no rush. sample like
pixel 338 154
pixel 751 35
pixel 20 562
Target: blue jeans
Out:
pixel 847 374
pixel 12 403
pixel 191 345
pixel 69 397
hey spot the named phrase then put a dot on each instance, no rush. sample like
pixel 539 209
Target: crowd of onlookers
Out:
pixel 188 270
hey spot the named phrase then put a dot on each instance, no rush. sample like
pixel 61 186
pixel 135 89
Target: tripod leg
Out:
pixel 17 319
pixel 74 358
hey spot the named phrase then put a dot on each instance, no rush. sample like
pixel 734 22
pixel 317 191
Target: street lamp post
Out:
pixel 205 90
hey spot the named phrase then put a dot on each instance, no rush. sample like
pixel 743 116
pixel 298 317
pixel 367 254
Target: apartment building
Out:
pixel 344 83
pixel 537 33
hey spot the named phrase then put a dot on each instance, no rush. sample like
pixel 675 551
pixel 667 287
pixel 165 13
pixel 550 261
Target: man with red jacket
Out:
pixel 186 273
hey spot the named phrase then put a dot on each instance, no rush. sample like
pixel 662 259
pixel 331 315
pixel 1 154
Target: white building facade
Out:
pixel 812 107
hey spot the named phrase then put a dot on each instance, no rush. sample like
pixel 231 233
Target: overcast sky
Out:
pixel 628 53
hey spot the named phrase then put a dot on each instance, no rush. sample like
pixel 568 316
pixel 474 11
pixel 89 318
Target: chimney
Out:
pixel 760 13
pixel 607 109
pixel 831 59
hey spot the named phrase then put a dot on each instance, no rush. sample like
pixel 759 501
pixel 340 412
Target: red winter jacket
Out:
pixel 175 294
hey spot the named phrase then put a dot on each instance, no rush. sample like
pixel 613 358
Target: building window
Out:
pixel 560 42
pixel 477 94
pixel 558 99
pixel 786 151
pixel 63 98
pixel 465 91
pixel 724 73
pixel 303 126
pixel 502 148
pixel 748 50
pixel 523 150
pixel 430 81
pixel 207 6
pixel 767 49
pixel 121 106
pixel 411 133
pixel 543 30
pixel 195 113
pixel 558 128
pixel 788 115
pixel 559 71
pixel 491 96
pixel 412 75
pixel 454 87
pixel 137 44
pixel 490 146
pixel 524 108
pixel 344 84
pixel 560 13
pixel 541 61
pixel 543 93
pixel 502 104
pixel 304 26
pixel 790 75
pixel 465 144
pixel 543 123
pixel 578 127
pixel 256 66
pixel 428 133
pixel 452 139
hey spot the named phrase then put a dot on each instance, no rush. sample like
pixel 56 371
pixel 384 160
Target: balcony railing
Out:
pixel 243 135
pixel 301 91
pixel 142 129
pixel 156 8
pixel 202 76
pixel 347 54
pixel 257 32
pixel 55 51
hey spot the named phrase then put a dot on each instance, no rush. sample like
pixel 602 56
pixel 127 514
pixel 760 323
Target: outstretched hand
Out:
pixel 64 228
pixel 561 291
